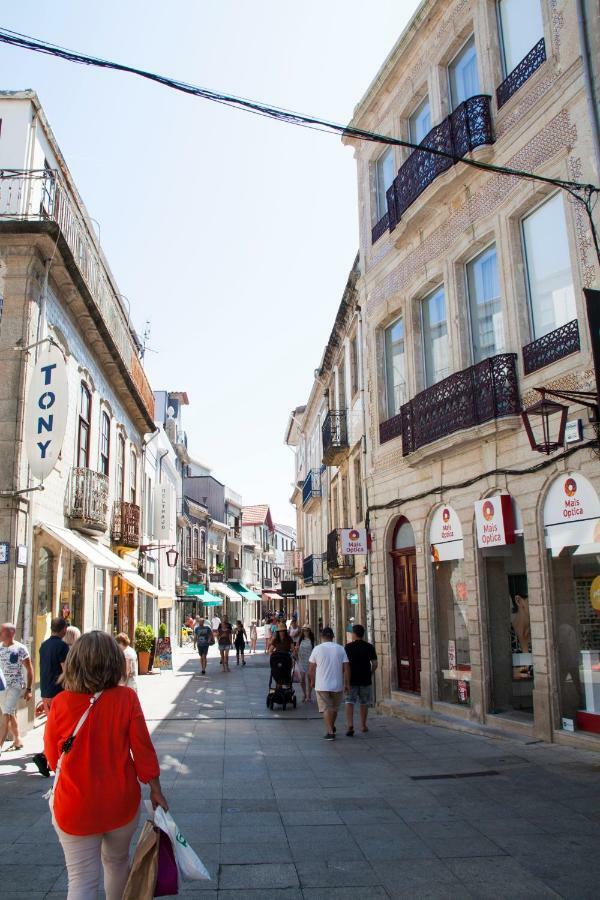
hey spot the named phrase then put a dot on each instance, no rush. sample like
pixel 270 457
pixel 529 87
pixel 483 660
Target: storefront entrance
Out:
pixel 408 641
pixel 123 607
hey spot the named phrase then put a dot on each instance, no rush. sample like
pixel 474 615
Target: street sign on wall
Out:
pixel 162 512
pixel 46 411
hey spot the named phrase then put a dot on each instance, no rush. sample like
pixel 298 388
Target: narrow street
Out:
pixel 274 811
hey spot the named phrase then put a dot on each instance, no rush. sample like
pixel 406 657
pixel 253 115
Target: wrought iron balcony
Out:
pixel 312 570
pixel 41 196
pixel 235 575
pixel 552 346
pixel 483 392
pixel 520 74
pixel 311 489
pixel 380 227
pixel 335 437
pixel 87 503
pixel 126 524
pixel 469 127
pixel 390 429
pixel 338 564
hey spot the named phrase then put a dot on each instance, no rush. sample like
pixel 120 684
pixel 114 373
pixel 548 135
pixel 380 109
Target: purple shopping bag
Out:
pixel 167 880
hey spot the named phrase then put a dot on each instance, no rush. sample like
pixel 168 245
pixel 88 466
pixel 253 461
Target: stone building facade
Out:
pixel 69 542
pixel 471 293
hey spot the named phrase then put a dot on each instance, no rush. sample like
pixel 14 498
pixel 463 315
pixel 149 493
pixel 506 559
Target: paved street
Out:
pixel 276 812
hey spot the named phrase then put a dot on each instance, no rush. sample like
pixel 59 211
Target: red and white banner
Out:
pixel 446 536
pixel 354 541
pixel 495 521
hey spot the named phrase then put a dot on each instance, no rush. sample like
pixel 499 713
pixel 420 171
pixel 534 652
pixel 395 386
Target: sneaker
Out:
pixel 329 737
pixel 350 732
pixel 42 764
pixel 204 671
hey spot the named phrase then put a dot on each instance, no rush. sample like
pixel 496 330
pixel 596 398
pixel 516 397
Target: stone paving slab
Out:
pixel 276 812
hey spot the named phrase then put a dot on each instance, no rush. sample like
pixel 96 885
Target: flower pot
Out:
pixel 143 662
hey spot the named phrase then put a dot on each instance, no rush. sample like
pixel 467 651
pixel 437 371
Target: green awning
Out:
pixel 243 591
pixel 209 599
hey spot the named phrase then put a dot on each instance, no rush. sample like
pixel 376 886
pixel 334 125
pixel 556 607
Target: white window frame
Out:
pixel 388 405
pixel 449 66
pixel 440 287
pixel 471 259
pixel 380 213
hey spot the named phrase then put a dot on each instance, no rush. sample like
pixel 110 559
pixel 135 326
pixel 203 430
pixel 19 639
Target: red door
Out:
pixel 408 642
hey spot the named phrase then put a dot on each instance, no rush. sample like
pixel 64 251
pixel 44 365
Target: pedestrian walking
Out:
pixel 72 634
pixel 268 631
pixel 196 623
pixel 215 622
pixel 329 673
pixel 363 662
pixel 253 636
pixel 131 661
pixel 204 638
pixel 96 795
pixel 53 653
pixel 304 650
pixel 281 640
pixel 17 669
pixel 240 642
pixel 224 635
pixel 294 629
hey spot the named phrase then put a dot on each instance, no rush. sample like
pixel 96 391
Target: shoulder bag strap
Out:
pixel 69 743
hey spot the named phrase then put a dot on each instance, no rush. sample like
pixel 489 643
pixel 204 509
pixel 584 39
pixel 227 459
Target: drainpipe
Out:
pixel 365 469
pixel 587 80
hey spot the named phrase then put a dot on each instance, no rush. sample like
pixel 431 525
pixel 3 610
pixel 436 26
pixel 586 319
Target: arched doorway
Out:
pixel 408 642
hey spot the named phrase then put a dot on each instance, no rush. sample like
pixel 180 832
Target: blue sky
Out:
pixel 233 235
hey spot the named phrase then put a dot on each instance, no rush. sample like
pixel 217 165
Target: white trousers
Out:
pixel 83 855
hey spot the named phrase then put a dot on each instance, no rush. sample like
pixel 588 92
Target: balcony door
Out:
pixel 406 603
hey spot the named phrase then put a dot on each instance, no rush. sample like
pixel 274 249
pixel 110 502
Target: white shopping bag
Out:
pixel 191 867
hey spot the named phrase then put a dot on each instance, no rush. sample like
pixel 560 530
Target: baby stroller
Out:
pixel 282 669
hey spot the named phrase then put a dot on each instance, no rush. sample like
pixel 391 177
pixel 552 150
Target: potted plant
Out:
pixel 143 641
pixel 162 630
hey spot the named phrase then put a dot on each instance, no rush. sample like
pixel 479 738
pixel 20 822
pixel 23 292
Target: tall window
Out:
pixel 133 477
pixel 45 584
pixel 384 175
pixel 358 503
pixel 188 545
pixel 419 124
pixel 83 432
pixel 487 327
pixel 196 543
pixel 120 467
pixel 549 277
pixel 521 27
pixel 105 444
pixel 202 545
pixel 395 367
pixel 462 71
pixel 354 365
pixel 435 337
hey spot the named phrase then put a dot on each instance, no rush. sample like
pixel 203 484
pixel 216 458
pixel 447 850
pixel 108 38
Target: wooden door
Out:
pixel 408 642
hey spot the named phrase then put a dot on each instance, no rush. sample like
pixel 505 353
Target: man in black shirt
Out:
pixel 53 652
pixel 363 662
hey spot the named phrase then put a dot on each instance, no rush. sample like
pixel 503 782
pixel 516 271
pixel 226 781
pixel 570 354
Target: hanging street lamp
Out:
pixel 544 436
pixel 171 554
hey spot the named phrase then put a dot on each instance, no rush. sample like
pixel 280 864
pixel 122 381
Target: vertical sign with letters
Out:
pixel 46 411
pixel 162 512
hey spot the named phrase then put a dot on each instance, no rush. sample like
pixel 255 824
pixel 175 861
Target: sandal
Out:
pixel 14 747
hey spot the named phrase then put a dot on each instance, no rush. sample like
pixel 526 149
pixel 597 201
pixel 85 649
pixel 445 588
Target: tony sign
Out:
pixel 46 411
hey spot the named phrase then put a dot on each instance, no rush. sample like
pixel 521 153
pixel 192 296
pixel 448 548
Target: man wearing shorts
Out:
pixel 14 658
pixel 329 674
pixel 203 635
pixel 363 662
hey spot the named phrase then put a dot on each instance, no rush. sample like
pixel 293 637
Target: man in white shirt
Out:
pixel 15 664
pixel 329 674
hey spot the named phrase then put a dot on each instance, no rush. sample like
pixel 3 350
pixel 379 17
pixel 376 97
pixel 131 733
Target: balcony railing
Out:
pixel 380 228
pixel 338 564
pixel 311 489
pixel 520 74
pixel 488 390
pixel 312 570
pixel 335 437
pixel 469 127
pixel 553 346
pixel 126 524
pixel 41 195
pixel 87 504
pixel 235 575
pixel 390 429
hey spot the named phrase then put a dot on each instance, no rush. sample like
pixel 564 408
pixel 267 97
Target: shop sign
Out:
pixel 46 411
pixel 163 658
pixel 446 536
pixel 194 590
pixel 288 588
pixel 495 523
pixel 354 541
pixel 162 512
pixel 22 555
pixel 4 545
pixel 571 513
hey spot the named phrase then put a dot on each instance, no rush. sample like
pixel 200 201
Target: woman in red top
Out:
pixel 96 802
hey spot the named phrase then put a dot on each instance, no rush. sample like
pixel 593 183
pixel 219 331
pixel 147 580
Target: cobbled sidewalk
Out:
pixel 276 812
